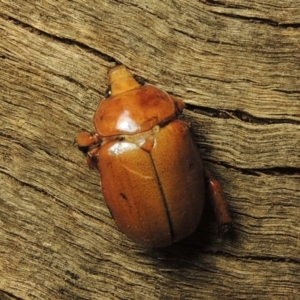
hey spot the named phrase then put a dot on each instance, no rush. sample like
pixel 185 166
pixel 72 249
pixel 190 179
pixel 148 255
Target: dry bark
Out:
pixel 237 66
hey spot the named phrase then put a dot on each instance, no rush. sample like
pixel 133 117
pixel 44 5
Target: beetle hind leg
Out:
pixel 217 199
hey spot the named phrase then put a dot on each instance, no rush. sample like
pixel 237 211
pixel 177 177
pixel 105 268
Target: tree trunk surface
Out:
pixel 235 63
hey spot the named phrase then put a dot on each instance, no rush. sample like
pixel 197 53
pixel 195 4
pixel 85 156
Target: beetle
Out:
pixel 152 175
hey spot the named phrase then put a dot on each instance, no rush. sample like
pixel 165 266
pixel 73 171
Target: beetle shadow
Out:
pixel 191 248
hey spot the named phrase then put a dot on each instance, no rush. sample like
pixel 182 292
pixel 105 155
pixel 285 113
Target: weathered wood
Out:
pixel 237 66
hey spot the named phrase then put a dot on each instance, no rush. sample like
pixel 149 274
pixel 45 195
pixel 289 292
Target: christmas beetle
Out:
pixel 151 171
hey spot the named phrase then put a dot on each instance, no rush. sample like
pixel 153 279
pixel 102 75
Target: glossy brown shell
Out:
pixel 133 111
pixel 155 197
pixel 150 168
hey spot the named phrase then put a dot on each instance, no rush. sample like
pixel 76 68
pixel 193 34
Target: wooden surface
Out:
pixel 235 63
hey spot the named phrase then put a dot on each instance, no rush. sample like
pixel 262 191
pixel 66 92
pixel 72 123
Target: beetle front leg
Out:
pixel 90 145
pixel 86 139
pixel 217 198
pixel 92 157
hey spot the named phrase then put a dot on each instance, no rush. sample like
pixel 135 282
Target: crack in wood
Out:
pixel 259 20
pixel 35 188
pixel 223 4
pixel 5 295
pixel 235 114
pixel 61 39
pixel 276 171
pixel 255 258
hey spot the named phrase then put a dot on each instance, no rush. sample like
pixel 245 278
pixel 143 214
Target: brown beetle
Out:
pixel 151 171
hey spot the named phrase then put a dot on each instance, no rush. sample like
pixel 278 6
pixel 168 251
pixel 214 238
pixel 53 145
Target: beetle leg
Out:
pixel 217 199
pixel 92 157
pixel 178 103
pixel 89 144
pixel 86 139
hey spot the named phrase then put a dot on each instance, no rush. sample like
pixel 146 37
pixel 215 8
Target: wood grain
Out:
pixel 236 65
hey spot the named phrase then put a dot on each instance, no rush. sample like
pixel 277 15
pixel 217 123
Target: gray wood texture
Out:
pixel 235 63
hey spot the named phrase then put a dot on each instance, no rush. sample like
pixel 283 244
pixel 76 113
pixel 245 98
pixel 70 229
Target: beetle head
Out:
pixel 121 80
